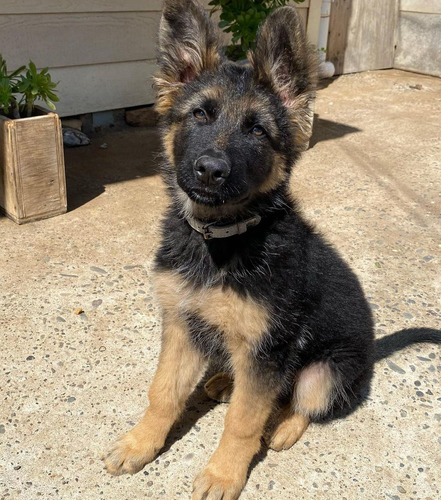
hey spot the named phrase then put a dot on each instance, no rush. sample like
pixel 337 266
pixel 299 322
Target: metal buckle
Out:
pixel 207 233
pixel 242 227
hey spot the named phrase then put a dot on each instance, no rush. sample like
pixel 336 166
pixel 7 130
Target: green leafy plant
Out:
pixel 8 87
pixel 241 18
pixel 18 91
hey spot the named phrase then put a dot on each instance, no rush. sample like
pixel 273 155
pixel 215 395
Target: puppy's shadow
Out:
pixel 198 405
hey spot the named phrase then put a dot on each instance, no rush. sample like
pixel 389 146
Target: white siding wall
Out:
pixel 101 51
pixel 419 37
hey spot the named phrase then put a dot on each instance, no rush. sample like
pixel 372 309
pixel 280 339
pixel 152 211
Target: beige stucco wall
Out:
pixel 101 51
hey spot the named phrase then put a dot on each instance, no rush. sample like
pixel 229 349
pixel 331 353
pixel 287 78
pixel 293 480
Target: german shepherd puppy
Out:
pixel 240 275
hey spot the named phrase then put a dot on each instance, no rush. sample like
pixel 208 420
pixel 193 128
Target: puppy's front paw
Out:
pixel 212 484
pixel 130 453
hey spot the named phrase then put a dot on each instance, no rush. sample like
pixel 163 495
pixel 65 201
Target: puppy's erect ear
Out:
pixel 188 44
pixel 284 61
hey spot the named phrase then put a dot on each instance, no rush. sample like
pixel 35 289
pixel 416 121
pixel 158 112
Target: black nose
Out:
pixel 211 171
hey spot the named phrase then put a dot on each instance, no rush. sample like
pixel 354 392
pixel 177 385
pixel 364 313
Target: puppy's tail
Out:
pixel 390 344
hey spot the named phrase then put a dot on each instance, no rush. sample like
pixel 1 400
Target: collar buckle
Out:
pixel 207 233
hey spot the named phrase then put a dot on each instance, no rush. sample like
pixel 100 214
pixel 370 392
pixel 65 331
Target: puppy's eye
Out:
pixel 199 114
pixel 257 130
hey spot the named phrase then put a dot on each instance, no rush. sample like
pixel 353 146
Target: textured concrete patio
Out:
pixel 71 383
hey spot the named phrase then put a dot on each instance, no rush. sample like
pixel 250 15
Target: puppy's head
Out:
pixel 231 132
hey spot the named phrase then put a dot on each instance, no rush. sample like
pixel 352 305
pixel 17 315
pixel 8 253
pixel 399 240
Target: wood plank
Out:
pixel 41 167
pixel 303 16
pixel 86 89
pixel 313 24
pixel 8 180
pixel 426 6
pixel 362 34
pixel 57 40
pixel 418 43
pixel 338 33
pixel 63 6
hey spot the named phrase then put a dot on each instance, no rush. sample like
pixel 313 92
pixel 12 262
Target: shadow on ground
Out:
pixel 113 156
pixel 326 130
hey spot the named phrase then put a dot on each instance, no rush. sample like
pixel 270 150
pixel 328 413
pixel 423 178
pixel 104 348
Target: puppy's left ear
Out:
pixel 285 63
pixel 188 45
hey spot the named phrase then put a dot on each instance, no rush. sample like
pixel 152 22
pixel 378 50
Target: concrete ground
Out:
pixel 71 383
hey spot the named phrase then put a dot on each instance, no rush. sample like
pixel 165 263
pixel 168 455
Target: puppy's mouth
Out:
pixel 205 196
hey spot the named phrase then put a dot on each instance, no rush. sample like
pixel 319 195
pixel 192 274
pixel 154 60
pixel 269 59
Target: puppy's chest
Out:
pixel 239 319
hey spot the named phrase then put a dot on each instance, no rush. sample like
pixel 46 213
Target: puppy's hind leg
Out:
pixel 313 395
pixel 219 387
pixel 288 430
pixel 179 369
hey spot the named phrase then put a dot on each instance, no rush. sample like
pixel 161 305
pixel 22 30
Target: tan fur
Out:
pixel 221 141
pixel 250 407
pixel 242 322
pixel 277 176
pixel 168 142
pixel 214 93
pixel 179 369
pixel 314 389
pixel 288 431
pixel 312 396
pixel 241 319
pixel 166 93
pixel 301 113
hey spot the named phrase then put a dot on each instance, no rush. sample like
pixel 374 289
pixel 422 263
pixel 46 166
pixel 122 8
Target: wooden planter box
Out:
pixel 32 177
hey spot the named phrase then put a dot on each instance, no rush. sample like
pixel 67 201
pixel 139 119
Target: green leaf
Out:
pixel 53 97
pixel 23 86
pixel 242 18
pixel 17 72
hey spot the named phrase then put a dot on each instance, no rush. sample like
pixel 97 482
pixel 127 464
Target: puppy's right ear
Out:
pixel 188 45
